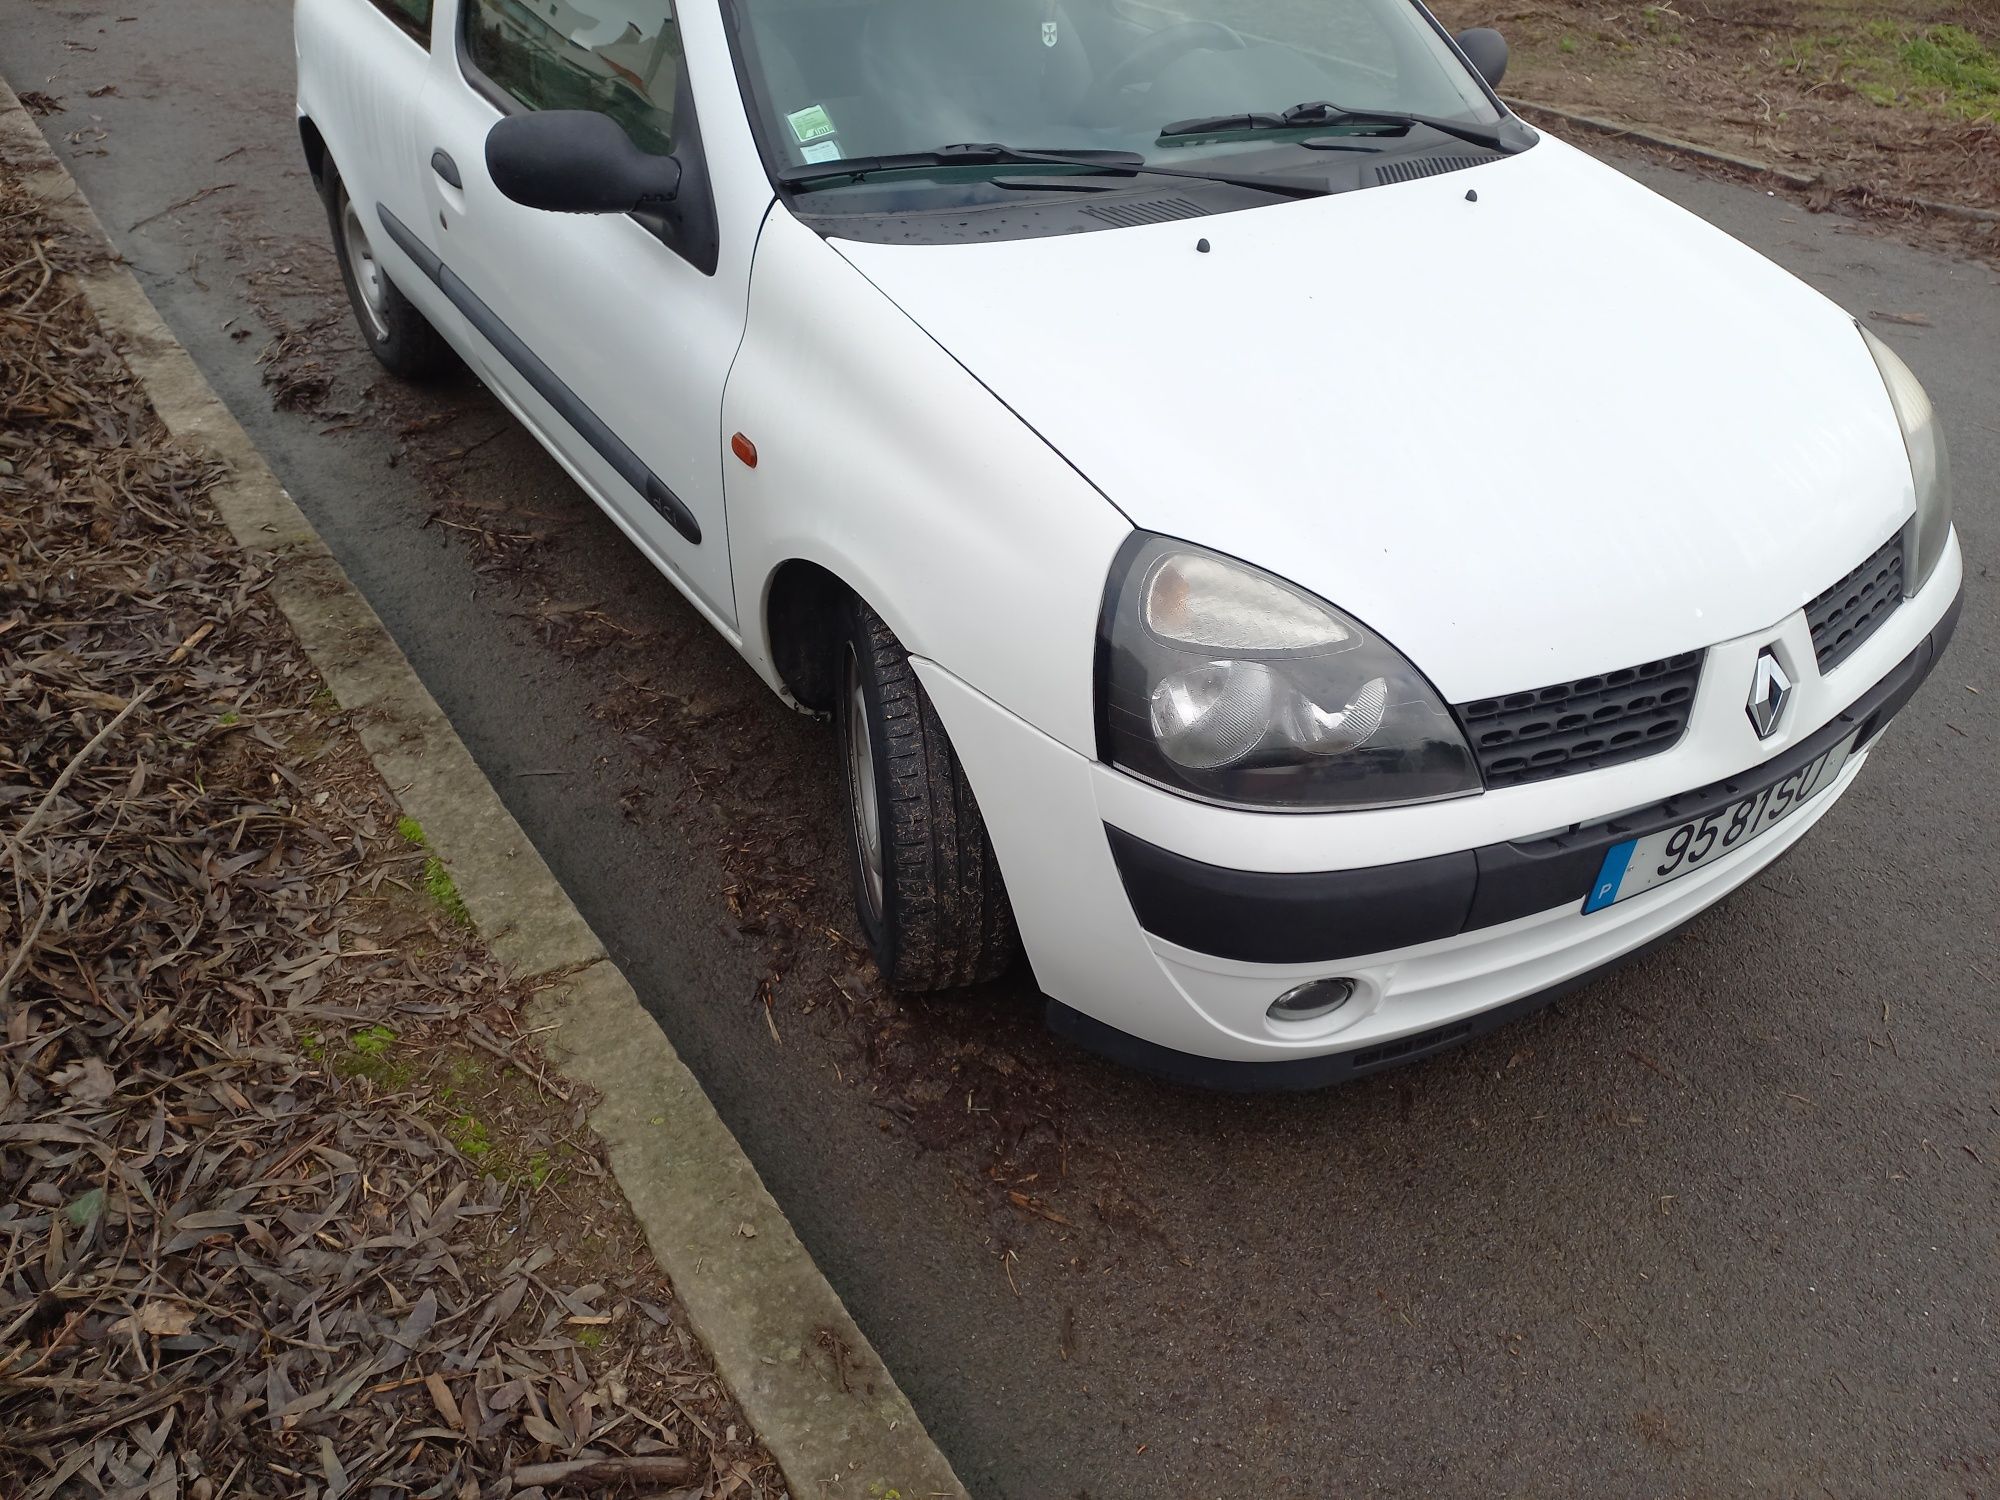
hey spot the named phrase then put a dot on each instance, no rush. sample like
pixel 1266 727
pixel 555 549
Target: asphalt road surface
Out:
pixel 1724 1223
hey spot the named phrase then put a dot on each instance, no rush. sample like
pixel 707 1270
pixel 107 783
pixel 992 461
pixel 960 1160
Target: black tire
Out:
pixel 938 917
pixel 398 335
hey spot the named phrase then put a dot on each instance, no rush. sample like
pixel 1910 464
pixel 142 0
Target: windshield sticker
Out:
pixel 822 150
pixel 811 123
pixel 1048 33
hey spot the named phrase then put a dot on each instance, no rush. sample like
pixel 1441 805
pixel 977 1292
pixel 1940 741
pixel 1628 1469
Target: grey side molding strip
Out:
pixel 544 381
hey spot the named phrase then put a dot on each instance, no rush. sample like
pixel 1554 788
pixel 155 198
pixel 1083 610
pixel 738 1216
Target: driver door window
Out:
pixel 616 57
pixel 414 16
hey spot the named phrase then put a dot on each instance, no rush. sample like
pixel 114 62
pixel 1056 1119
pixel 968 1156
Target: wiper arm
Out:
pixel 1121 163
pixel 1210 124
pixel 1325 112
pixel 970 155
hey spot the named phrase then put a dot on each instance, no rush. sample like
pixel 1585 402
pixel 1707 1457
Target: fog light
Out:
pixel 1311 1000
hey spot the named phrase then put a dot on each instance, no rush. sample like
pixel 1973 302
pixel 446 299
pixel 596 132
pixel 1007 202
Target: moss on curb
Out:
pixel 438 884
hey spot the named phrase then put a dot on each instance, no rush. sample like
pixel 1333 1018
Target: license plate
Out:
pixel 1640 864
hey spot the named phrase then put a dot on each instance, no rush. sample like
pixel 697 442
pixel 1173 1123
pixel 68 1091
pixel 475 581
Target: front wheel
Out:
pixel 398 335
pixel 925 878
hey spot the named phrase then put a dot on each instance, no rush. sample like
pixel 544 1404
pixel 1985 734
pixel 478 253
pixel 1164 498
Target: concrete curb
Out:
pixel 1620 130
pixel 813 1387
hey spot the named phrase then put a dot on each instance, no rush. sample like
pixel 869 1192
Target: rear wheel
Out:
pixel 925 878
pixel 397 334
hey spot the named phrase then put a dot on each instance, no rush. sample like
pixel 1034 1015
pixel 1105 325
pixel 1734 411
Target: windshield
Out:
pixel 838 79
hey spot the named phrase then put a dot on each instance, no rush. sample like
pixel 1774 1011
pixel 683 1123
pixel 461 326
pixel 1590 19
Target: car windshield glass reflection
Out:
pixel 833 82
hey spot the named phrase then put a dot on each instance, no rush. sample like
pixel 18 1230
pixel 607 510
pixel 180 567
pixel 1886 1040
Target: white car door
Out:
pixel 611 336
pixel 363 68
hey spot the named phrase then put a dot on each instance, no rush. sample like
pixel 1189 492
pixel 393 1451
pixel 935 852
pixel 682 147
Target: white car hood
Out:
pixel 1562 429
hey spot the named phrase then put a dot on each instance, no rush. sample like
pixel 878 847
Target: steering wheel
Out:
pixel 1149 59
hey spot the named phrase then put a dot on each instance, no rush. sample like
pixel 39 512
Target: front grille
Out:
pixel 1854 608
pixel 1582 725
pixel 1409 169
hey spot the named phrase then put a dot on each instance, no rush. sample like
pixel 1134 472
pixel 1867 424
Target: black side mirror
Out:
pixel 1486 50
pixel 576 161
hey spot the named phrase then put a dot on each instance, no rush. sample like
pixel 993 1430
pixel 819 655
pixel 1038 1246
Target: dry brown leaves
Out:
pixel 1766 79
pixel 244 1249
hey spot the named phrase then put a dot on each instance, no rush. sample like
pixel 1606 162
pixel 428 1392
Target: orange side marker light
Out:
pixel 744 449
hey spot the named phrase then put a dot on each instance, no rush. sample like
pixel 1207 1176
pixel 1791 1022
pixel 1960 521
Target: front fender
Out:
pixel 882 460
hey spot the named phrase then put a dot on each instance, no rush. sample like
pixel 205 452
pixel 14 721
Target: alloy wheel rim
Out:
pixel 367 270
pixel 862 796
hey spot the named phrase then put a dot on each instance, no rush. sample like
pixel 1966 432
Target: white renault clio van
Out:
pixel 1316 562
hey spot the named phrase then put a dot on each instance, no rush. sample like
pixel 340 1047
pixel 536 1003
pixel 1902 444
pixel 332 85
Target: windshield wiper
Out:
pixel 976 153
pixel 1324 112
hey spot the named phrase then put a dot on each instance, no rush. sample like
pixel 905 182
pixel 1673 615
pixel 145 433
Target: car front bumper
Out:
pixel 1162 929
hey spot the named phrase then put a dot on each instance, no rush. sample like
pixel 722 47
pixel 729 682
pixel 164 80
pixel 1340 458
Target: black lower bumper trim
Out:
pixel 1297 1075
pixel 1261 918
pixel 1325 916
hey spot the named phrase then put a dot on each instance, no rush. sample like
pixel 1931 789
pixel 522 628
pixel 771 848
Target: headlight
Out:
pixel 1219 680
pixel 1930 464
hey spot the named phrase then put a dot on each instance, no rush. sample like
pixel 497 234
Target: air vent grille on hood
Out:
pixel 1411 168
pixel 1146 211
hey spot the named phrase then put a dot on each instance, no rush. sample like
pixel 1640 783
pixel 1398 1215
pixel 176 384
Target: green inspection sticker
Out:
pixel 810 123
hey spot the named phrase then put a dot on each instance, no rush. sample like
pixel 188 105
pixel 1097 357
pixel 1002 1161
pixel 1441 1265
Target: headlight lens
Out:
pixel 1930 464
pixel 1221 681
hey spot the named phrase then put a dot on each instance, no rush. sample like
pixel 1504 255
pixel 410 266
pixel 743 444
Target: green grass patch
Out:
pixel 1945 68
pixel 411 831
pixel 491 1115
pixel 470 1137
pixel 1657 19
pixel 1957 61
pixel 462 1076
pixel 370 1054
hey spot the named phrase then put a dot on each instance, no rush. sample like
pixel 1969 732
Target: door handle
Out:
pixel 445 167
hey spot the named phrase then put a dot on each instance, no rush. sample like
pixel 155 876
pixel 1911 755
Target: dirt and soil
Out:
pixel 1884 102
pixel 288 1202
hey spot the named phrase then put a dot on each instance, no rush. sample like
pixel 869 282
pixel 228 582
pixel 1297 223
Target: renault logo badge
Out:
pixel 1770 691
